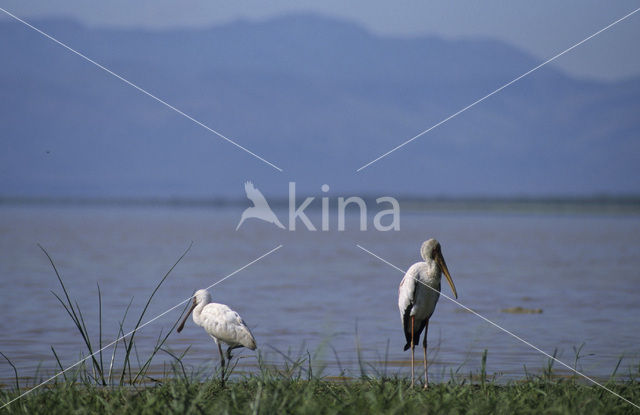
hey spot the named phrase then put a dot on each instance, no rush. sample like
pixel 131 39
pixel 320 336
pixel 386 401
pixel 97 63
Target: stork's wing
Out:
pixel 255 195
pixel 226 325
pixel 406 300
pixel 407 290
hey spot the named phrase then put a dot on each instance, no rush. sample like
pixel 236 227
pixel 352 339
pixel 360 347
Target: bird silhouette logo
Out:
pixel 260 209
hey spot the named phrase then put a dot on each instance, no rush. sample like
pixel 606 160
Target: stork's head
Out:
pixel 431 251
pixel 429 248
pixel 200 297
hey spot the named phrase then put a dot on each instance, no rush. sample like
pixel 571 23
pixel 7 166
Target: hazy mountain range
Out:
pixel 316 97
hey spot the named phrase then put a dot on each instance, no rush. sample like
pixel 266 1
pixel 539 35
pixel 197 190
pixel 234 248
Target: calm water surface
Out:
pixel 320 293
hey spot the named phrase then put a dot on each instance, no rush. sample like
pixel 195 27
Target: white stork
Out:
pixel 221 323
pixel 417 297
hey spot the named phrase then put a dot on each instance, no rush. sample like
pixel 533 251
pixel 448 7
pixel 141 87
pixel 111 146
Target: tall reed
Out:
pixel 99 374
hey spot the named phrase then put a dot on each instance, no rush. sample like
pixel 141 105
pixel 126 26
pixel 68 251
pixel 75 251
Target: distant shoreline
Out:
pixel 551 204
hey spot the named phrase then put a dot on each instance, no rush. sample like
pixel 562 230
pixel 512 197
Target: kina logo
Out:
pixel 260 209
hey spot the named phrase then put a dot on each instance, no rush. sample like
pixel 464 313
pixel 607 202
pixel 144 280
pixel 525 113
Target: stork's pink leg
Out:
pixel 412 346
pixel 424 348
pixel 223 372
pixel 221 356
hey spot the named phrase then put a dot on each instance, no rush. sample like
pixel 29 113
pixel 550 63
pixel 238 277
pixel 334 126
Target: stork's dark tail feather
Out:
pixel 418 326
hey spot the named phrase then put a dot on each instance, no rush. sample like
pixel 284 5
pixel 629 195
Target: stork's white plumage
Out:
pixel 417 297
pixel 221 323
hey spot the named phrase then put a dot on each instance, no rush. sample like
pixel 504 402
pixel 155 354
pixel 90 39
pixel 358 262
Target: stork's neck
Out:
pixel 197 312
pixel 433 269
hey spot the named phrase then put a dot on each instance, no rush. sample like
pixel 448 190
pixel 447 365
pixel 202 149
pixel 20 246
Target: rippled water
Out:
pixel 321 293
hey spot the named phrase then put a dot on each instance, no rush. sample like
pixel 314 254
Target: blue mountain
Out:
pixel 317 97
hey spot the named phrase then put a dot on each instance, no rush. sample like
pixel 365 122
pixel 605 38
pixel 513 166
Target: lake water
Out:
pixel 322 294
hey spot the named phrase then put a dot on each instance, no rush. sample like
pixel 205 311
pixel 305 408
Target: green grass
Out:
pixel 269 395
pixel 292 388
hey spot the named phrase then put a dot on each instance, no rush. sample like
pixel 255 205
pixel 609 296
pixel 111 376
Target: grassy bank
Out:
pixel 259 394
pixel 123 383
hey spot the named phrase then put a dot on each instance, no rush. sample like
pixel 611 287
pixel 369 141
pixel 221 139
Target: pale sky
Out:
pixel 542 27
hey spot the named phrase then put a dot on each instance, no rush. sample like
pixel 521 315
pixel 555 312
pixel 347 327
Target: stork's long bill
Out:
pixel 443 265
pixel 181 326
